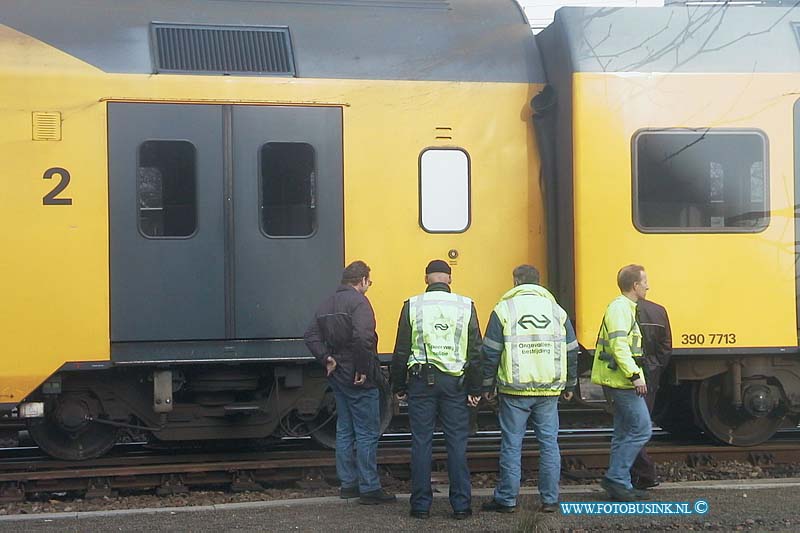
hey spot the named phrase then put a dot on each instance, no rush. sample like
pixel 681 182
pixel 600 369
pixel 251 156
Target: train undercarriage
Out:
pixel 84 411
pixel 740 400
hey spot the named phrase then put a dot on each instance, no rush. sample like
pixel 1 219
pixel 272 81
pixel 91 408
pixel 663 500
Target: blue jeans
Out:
pixel 358 428
pixel 448 401
pixel 632 429
pixel 514 414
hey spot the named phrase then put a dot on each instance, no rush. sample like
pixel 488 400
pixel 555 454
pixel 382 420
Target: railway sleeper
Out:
pixel 172 484
pixel 700 460
pixel 761 458
pixel 11 492
pixel 99 488
pixel 243 481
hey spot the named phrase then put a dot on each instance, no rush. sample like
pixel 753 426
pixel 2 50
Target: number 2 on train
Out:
pixel 51 198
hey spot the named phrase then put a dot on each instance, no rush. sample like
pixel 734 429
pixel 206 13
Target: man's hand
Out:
pixel 330 365
pixel 641 387
pixel 401 396
pixel 567 395
pixel 489 396
pixel 360 379
pixel 473 399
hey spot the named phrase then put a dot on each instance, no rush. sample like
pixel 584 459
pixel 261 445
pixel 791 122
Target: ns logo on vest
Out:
pixel 538 322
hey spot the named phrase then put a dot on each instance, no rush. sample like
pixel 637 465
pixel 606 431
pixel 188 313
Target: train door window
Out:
pixel 288 181
pixel 167 189
pixel 700 181
pixel 444 190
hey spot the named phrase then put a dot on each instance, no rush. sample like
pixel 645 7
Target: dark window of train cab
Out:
pixel 700 181
pixel 167 191
pixel 288 179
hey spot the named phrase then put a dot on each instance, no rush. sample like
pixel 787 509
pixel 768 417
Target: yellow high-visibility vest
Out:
pixel 534 358
pixel 439 330
pixel 618 342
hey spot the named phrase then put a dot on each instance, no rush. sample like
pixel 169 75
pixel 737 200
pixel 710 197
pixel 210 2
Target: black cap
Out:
pixel 437 265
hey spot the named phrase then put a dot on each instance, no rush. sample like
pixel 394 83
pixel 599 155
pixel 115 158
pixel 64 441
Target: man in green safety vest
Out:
pixel 436 367
pixel 530 357
pixel 618 369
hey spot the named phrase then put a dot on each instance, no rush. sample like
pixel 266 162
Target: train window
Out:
pixel 700 181
pixel 444 190
pixel 167 193
pixel 288 180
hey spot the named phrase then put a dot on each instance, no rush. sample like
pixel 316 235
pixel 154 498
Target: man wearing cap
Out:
pixel 436 367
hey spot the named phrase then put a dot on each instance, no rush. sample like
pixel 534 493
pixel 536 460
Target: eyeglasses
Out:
pixel 368 282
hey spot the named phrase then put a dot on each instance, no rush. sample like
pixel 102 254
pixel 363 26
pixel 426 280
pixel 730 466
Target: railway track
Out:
pixel 25 472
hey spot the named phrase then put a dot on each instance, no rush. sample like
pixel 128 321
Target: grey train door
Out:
pixel 225 221
pixel 166 222
pixel 288 216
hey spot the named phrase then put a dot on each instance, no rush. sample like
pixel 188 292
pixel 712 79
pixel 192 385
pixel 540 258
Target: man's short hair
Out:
pixel 628 275
pixel 354 273
pixel 526 274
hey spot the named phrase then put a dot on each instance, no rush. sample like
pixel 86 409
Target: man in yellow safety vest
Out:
pixel 436 366
pixel 530 356
pixel 618 369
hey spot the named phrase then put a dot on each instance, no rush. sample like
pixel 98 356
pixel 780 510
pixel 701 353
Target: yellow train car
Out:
pixel 677 148
pixel 184 181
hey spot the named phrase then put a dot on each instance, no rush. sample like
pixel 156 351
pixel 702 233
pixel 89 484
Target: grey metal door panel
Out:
pixel 279 281
pixel 166 288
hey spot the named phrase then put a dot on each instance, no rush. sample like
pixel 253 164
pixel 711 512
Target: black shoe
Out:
pixel 376 497
pixel 422 515
pixel 640 494
pixel 493 505
pixel 644 485
pixel 548 508
pixel 462 515
pixel 616 491
pixel 348 493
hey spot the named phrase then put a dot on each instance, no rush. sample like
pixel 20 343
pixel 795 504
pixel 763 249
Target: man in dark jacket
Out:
pixel 342 337
pixel 436 365
pixel 657 348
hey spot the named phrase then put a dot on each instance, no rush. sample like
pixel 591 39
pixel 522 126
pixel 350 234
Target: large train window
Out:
pixel 700 181
pixel 444 190
pixel 167 189
pixel 288 180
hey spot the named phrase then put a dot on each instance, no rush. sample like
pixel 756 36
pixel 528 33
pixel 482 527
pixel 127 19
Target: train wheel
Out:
pixel 325 433
pixel 65 432
pixel 738 426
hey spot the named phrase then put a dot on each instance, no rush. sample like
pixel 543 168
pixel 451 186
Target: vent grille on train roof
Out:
pixel 181 48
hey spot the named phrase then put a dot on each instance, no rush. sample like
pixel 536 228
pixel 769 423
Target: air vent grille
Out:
pixel 264 50
pixel 46 126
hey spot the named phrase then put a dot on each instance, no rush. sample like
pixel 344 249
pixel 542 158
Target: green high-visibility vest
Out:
pixel 439 330
pixel 534 358
pixel 619 346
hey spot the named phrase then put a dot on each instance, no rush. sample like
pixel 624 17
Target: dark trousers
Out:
pixel 643 471
pixel 447 401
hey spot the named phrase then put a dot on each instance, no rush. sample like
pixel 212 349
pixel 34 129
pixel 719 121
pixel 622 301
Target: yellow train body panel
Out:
pixel 711 283
pixel 55 280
